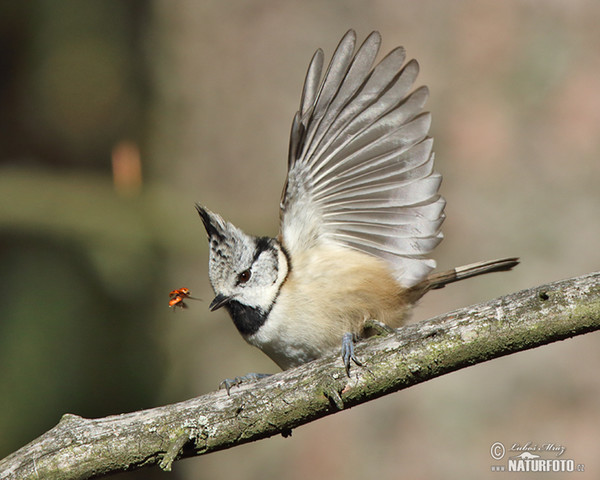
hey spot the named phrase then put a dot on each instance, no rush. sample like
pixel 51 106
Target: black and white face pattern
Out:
pixel 246 272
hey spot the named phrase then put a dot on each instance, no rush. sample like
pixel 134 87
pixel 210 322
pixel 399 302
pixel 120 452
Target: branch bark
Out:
pixel 79 448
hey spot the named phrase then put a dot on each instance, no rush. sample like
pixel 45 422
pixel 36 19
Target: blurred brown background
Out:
pixel 204 93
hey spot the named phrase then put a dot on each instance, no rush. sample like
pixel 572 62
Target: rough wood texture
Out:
pixel 79 448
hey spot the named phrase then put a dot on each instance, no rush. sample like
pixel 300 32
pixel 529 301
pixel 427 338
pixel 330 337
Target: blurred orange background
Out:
pixel 116 116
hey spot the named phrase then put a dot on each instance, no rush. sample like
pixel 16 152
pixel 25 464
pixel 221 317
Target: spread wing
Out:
pixel 360 166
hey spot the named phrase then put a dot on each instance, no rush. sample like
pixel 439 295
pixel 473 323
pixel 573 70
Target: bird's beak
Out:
pixel 218 302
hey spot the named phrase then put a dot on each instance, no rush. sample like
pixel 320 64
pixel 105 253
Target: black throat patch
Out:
pixel 248 320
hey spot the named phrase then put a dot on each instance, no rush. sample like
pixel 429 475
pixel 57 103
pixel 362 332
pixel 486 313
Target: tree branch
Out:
pixel 79 448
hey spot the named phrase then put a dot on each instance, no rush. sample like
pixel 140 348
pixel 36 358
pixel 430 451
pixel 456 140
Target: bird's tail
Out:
pixel 439 280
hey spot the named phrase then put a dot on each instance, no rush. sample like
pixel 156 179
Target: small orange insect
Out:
pixel 178 296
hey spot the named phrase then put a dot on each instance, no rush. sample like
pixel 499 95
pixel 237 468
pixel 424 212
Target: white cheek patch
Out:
pixel 269 278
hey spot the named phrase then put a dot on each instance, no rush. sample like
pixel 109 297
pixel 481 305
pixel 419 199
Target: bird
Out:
pixel 360 214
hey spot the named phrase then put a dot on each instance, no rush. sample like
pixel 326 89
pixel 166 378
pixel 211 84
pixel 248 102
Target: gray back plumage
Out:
pixel 360 165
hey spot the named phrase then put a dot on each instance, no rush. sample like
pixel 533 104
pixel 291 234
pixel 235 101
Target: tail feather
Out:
pixel 439 280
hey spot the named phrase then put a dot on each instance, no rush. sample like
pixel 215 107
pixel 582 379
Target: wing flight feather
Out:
pixel 360 164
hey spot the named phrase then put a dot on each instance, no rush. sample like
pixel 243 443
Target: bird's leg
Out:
pixel 348 351
pixel 248 378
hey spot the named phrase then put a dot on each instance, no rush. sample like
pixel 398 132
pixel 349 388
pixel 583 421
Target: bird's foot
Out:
pixel 348 352
pixel 248 378
pixel 373 327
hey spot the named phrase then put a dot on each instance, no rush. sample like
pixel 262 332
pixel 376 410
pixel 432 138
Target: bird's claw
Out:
pixel 228 383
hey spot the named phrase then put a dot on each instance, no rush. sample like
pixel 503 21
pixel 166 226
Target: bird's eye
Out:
pixel 244 276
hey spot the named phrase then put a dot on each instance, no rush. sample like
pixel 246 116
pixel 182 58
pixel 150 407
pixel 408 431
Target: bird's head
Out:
pixel 245 271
